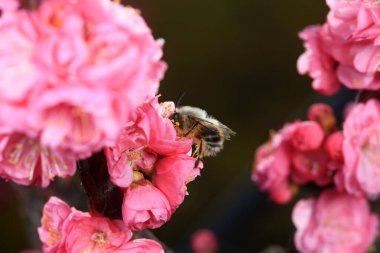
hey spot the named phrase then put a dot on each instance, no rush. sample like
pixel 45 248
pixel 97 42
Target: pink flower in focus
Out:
pixel 66 230
pixel 330 224
pixel 361 149
pixel 145 206
pixel 204 241
pixel 317 62
pixel 142 140
pixel 85 233
pixel 172 174
pixel 25 161
pixel 54 215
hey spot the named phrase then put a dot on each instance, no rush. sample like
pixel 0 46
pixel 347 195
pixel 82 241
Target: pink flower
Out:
pixel 55 214
pixel 311 166
pixel 330 224
pixel 323 114
pixel 271 169
pixel 78 70
pixel 8 5
pixel 141 245
pixel 85 233
pixel 76 124
pixel 334 145
pixel 204 241
pixel 342 18
pixel 172 174
pixel 19 71
pixel 65 229
pixel 317 62
pixel 360 150
pixel 25 161
pixel 142 140
pixel 307 135
pixel 145 206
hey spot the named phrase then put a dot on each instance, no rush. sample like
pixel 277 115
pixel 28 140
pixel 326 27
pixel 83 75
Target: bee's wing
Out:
pixel 211 126
pixel 228 132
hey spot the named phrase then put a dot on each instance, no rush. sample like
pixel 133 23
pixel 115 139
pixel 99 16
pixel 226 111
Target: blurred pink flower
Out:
pixel 9 5
pixel 76 124
pixel 172 174
pixel 323 114
pixel 360 150
pixel 331 224
pixel 300 152
pixel 78 70
pixel 271 169
pixel 311 166
pixel 307 135
pixel 54 215
pixel 145 206
pixel 25 161
pixel 204 241
pixel 317 62
pixel 141 246
pixel 343 17
pixel 334 146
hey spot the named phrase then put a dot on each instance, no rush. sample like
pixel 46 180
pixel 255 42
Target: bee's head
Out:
pixel 175 116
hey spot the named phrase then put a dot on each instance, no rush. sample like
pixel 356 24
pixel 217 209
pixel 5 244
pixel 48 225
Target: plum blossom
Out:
pixel 318 62
pixel 329 224
pixel 51 232
pixel 345 49
pixel 145 206
pixel 66 229
pixel 25 161
pixel 75 82
pixel 204 241
pixel 299 153
pixel 359 175
pixel 149 135
pixel 78 71
pixel 152 165
pixel 271 170
pixel 172 174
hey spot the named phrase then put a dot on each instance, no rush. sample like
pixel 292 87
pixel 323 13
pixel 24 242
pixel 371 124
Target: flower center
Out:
pixel 100 239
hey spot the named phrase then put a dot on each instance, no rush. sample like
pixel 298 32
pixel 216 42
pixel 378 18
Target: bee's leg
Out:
pixel 199 154
pixel 191 129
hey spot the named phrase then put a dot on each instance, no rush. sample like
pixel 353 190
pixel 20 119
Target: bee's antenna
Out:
pixel 181 95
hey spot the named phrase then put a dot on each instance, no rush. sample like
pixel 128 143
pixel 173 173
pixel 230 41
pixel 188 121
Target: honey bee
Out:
pixel 208 134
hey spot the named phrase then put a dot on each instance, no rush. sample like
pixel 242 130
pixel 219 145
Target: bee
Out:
pixel 208 133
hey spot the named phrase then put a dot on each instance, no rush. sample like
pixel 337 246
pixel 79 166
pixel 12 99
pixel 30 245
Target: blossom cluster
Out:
pixel 152 166
pixel 345 49
pixel 315 151
pixel 73 72
pixel 301 152
pixel 67 230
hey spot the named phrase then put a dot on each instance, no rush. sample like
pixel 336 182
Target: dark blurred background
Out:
pixel 237 60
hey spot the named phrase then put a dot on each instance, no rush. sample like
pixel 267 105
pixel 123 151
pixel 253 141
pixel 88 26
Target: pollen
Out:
pixel 100 240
